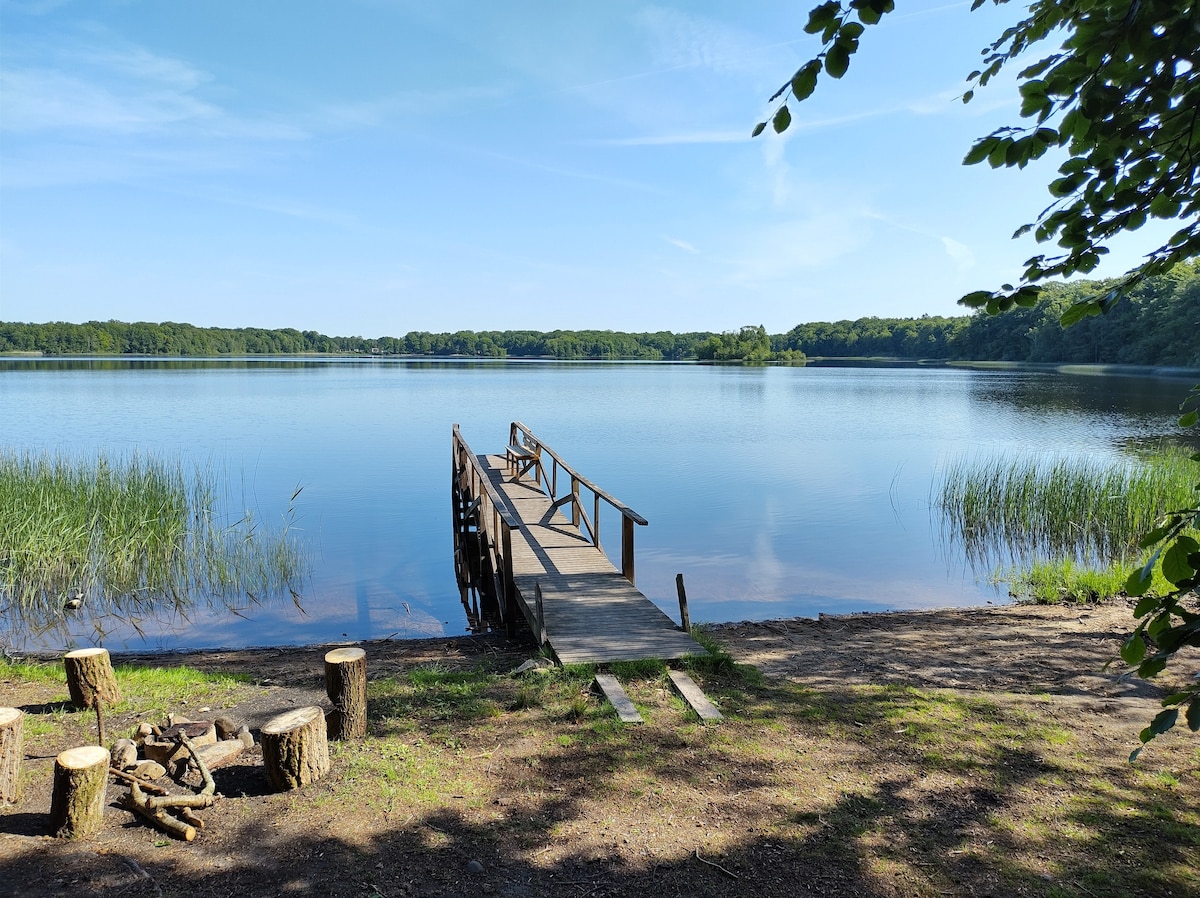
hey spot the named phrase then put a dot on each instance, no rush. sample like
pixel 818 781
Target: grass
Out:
pixel 135 534
pixel 896 789
pixel 1068 526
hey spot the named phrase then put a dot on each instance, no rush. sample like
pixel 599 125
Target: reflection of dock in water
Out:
pixel 531 553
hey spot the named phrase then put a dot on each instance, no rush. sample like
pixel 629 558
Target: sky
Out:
pixel 374 167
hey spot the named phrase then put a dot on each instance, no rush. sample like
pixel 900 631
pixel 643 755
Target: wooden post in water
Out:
pixel 685 619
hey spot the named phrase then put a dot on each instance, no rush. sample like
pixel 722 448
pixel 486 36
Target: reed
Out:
pixel 1059 518
pixel 133 534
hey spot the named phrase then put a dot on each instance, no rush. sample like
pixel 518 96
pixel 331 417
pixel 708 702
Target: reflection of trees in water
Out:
pixel 130 544
pixel 1151 397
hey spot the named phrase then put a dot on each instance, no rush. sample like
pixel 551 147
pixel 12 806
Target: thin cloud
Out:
pixel 695 137
pixel 683 245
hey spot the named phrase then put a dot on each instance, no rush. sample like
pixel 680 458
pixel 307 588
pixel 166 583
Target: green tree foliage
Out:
pixel 1120 95
pixel 1149 329
pixel 750 344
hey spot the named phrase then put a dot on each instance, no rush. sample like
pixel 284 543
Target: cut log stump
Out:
pixel 346 685
pixel 295 748
pixel 90 677
pixel 80 784
pixel 12 733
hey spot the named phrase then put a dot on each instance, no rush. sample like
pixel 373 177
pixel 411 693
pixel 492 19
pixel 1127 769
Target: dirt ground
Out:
pixel 779 800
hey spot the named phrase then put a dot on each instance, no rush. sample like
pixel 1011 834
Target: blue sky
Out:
pixel 374 167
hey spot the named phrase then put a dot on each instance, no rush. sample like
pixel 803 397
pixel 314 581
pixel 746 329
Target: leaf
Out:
pixel 781 119
pixel 1164 206
pixel 820 17
pixel 1076 313
pixel 966 98
pixel 1145 605
pixel 1193 715
pixel 1151 668
pixel 979 151
pixel 1189 419
pixel 804 82
pixel 976 299
pixel 1159 532
pixel 837 60
pixel 1175 565
pixel 758 129
pixel 1133 650
pixel 1162 722
pixel 1137 583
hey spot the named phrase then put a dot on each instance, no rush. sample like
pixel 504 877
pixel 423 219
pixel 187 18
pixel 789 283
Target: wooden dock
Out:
pixel 535 556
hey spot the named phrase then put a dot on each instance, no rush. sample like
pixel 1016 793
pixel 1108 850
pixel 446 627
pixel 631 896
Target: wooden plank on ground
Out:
pixel 691 694
pixel 619 698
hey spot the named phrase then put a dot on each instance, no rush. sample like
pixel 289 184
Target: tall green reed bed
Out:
pixel 136 535
pixel 1067 527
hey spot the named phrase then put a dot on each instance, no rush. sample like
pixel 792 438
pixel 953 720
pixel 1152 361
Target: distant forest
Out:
pixel 1158 325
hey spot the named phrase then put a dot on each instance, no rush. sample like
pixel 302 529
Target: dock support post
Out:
pixel 685 619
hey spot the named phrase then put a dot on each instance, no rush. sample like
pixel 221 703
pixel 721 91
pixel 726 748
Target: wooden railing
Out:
pixel 536 452
pixel 496 523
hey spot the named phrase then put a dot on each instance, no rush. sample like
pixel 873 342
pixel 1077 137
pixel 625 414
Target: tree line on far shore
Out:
pixel 1145 330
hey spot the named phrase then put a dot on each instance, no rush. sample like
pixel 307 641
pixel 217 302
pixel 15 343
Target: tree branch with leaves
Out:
pixel 1121 97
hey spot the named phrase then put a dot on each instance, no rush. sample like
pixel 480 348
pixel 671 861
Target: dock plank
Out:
pixel 692 694
pixel 619 698
pixel 592 614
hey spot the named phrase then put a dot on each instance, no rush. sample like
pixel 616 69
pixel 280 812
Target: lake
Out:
pixel 776 491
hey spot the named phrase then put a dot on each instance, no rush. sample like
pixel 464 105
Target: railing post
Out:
pixel 539 613
pixel 626 547
pixel 510 586
pixel 574 500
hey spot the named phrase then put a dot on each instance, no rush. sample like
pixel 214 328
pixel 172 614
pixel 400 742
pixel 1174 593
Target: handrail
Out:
pixel 503 520
pixel 579 516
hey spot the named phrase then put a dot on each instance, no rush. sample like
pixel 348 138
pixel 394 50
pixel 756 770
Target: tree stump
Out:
pixel 92 683
pixel 80 784
pixel 12 751
pixel 90 677
pixel 346 685
pixel 295 748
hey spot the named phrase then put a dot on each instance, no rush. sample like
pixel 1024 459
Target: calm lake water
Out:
pixel 777 492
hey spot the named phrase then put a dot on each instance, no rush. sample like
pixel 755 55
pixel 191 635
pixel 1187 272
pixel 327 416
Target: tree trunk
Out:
pixel 12 751
pixel 346 685
pixel 80 785
pixel 295 748
pixel 90 678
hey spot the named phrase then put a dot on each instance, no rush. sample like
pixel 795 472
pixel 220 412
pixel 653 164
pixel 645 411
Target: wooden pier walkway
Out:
pixel 535 556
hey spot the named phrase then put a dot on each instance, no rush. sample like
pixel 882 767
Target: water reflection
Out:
pixel 776 491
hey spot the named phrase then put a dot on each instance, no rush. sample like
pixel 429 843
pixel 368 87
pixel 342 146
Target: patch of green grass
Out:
pixel 719 663
pixel 156 691
pixel 432 694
